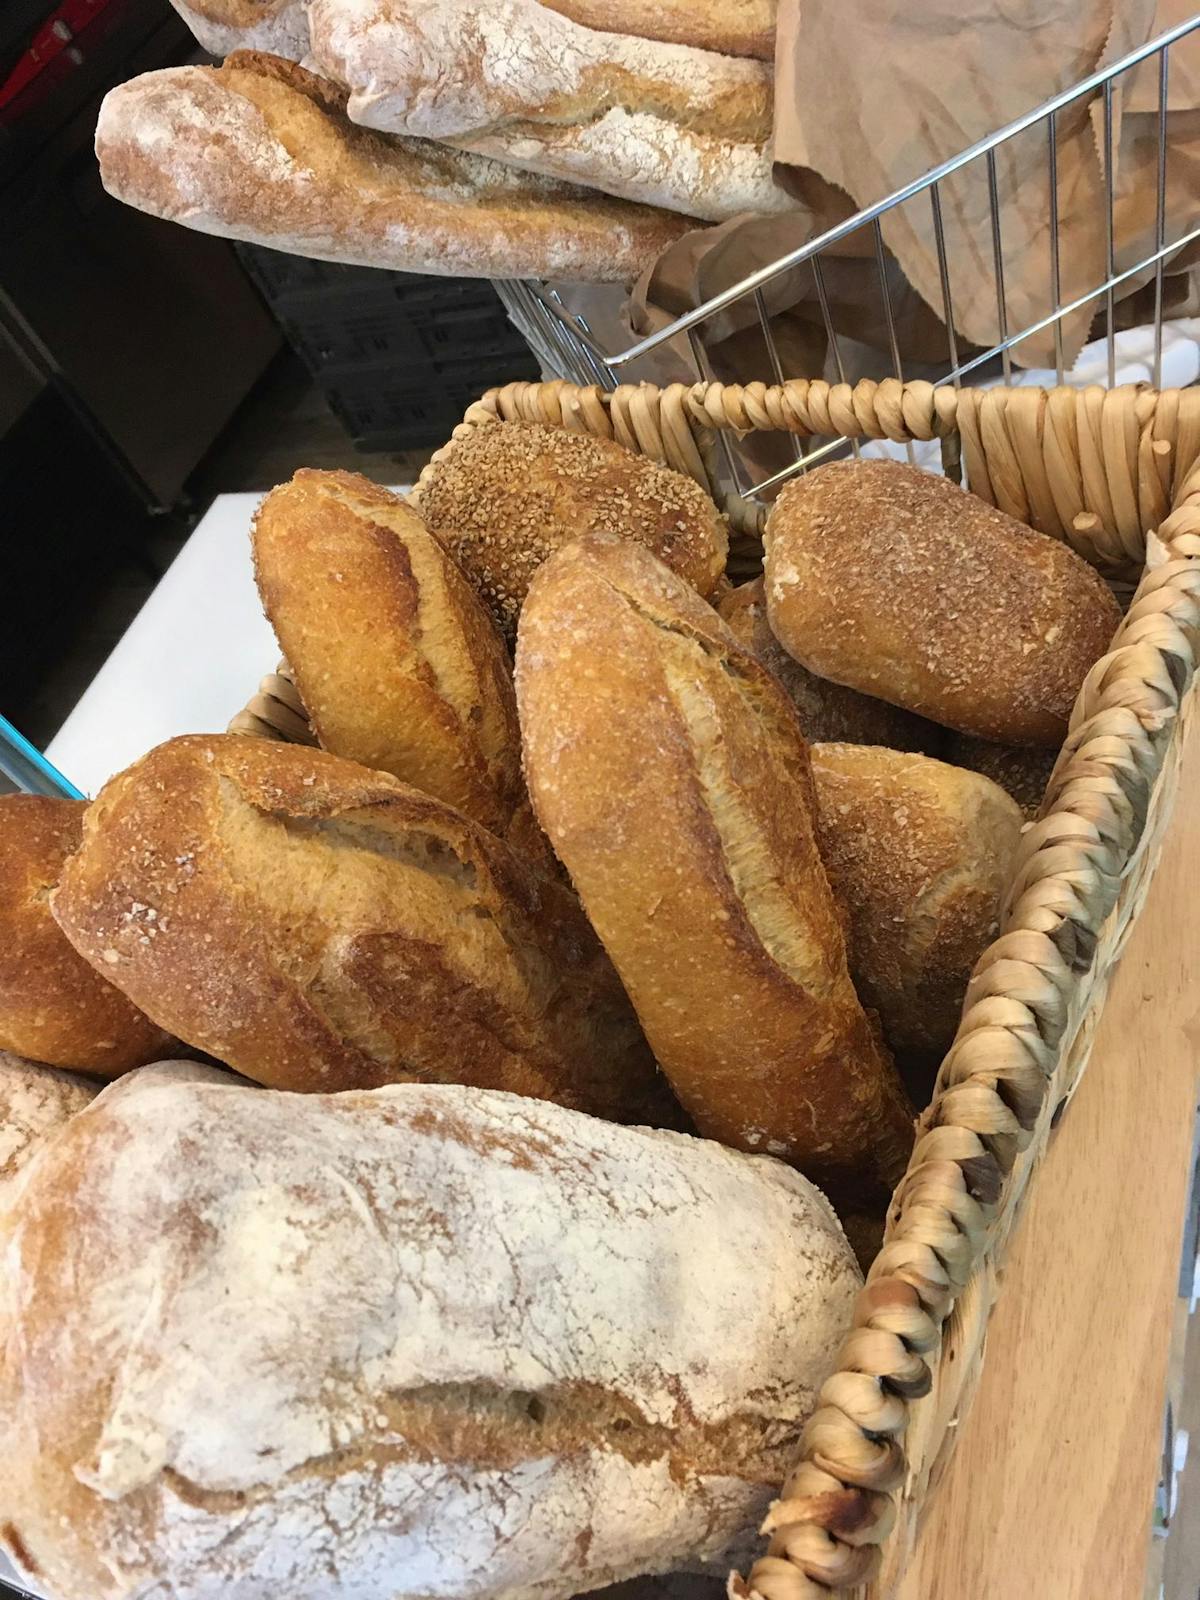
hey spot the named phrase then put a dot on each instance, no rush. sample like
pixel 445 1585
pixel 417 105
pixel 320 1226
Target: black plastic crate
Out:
pixel 398 356
pixel 390 407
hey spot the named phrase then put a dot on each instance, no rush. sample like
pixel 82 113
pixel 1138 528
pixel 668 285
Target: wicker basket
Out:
pixel 1117 474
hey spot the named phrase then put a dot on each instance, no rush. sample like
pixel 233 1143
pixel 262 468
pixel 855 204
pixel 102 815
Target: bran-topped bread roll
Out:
pixel 260 149
pixel 900 584
pixel 425 1341
pixel 398 663
pixel 54 1008
pixel 508 494
pixel 662 124
pixel 318 926
pixel 668 770
pixel 827 711
pixel 921 853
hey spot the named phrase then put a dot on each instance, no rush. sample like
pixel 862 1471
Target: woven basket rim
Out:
pixel 1116 473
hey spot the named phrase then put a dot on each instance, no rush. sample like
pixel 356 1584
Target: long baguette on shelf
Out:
pixel 664 124
pixel 223 26
pixel 734 27
pixel 262 150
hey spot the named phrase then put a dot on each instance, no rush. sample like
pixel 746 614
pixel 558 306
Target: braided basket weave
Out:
pixel 1117 474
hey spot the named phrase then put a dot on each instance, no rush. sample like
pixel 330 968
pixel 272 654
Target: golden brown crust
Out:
pixel 509 494
pixel 53 1007
pixel 398 664
pixel 921 853
pixel 318 926
pixel 898 583
pixel 1023 774
pixel 740 28
pixel 261 149
pixel 668 770
pixel 828 712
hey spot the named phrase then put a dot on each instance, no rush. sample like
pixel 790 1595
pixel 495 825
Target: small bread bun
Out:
pixel 827 711
pixel 54 1007
pixel 901 585
pixel 398 663
pixel 507 494
pixel 1021 773
pixel 921 853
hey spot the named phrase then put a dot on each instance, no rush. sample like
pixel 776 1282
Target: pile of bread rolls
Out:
pixel 490 138
pixel 478 1248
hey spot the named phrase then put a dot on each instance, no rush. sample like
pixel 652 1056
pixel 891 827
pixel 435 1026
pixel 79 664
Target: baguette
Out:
pixel 318 926
pixel 900 584
pixel 733 27
pixel 422 1341
pixel 397 662
pixel 508 494
pixel 921 853
pixel 222 26
pixel 54 1008
pixel 259 149
pixel 827 711
pixel 668 770
pixel 662 124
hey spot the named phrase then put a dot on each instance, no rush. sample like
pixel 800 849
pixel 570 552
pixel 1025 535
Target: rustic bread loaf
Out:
pixel 508 494
pixel 827 711
pixel 662 124
pixel 667 767
pixel 260 149
pixel 421 1341
pixel 54 1007
pixel 222 26
pixel 398 663
pixel 735 27
pixel 1021 773
pixel 34 1101
pixel 921 853
pixel 318 926
pixel 899 584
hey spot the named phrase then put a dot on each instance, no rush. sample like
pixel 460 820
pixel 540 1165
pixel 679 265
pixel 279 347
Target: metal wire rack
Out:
pixel 568 347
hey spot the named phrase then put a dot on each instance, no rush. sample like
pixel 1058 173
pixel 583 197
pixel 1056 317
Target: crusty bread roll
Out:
pixel 34 1101
pixel 53 1007
pixel 398 663
pixel 260 149
pixel 426 1341
pixel 921 853
pixel 827 711
pixel 508 494
pixel 662 124
pixel 900 584
pixel 1021 773
pixel 668 770
pixel 318 926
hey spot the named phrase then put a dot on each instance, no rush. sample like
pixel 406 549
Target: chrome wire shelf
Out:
pixel 568 348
